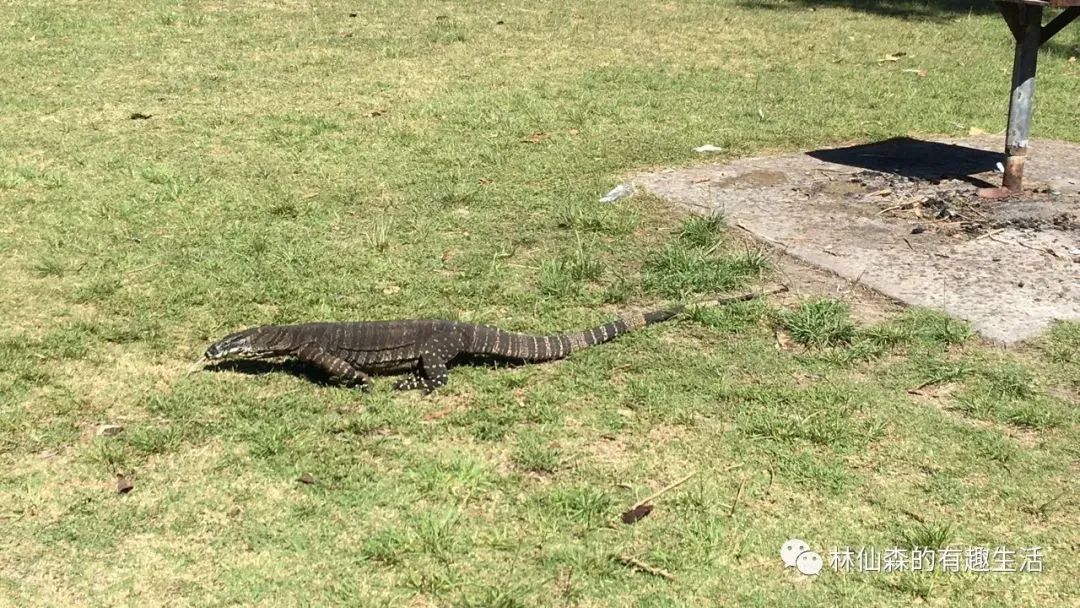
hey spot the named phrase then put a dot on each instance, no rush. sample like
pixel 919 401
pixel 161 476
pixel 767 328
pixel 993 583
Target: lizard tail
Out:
pixel 633 321
pixel 488 340
pixel 626 323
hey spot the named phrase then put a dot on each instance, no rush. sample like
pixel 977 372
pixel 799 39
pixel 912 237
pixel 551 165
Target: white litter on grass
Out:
pixel 1000 168
pixel 623 190
pixel 708 148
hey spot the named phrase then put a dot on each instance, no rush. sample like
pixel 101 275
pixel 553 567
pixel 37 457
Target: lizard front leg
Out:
pixel 339 370
pixel 411 382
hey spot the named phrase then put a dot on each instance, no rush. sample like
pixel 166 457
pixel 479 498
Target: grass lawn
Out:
pixel 173 171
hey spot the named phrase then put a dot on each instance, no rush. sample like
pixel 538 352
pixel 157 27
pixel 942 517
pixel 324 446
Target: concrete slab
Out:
pixel 901 217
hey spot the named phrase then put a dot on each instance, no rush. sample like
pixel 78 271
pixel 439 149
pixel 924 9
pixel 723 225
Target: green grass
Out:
pixel 444 159
pixel 822 322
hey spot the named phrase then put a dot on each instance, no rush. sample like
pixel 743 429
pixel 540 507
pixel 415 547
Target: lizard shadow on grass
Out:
pixel 315 375
pixel 253 367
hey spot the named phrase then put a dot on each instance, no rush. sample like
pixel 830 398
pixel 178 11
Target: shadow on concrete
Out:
pixel 915 159
pixel 903 9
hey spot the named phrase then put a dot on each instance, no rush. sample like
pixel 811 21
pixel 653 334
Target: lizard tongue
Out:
pixel 195 366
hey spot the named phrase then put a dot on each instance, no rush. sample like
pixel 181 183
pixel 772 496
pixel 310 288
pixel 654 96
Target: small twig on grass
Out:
pixel 915 391
pixel 714 247
pixel 662 491
pixel 742 297
pixel 738 495
pixel 143 268
pixel 1043 509
pixel 633 562
pixel 809 416
pixel 913 515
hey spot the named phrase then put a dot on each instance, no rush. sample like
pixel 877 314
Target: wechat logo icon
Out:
pixel 797 554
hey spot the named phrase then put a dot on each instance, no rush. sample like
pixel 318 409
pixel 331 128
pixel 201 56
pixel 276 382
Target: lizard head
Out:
pixel 243 343
pixel 248 343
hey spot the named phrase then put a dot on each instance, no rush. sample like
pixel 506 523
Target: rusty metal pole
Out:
pixel 1028 40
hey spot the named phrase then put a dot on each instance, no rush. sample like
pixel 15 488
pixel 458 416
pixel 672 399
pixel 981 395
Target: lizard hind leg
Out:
pixel 434 355
pixel 430 376
pixel 338 369
pixel 433 374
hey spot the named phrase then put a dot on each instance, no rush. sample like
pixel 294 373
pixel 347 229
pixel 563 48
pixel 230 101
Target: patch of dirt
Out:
pixel 953 206
pixel 836 188
pixel 608 451
pixel 753 179
pixel 129 374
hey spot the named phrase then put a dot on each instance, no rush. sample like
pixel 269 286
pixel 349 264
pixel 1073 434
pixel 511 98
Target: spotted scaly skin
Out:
pixel 348 352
